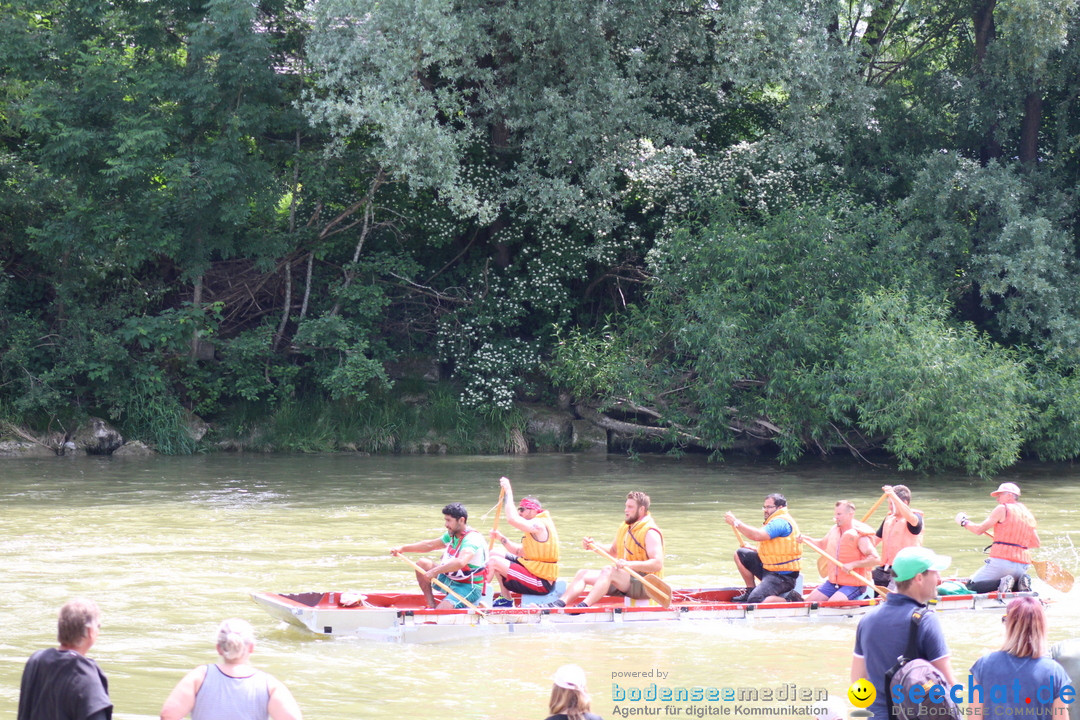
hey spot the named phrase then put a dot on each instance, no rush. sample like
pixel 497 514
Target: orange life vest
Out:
pixel 781 554
pixel 630 540
pixel 895 536
pixel 1015 535
pixel 845 548
pixel 542 558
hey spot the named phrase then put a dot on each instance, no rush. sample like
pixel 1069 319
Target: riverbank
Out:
pixel 414 419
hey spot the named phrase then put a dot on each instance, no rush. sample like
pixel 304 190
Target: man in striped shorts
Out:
pixel 529 567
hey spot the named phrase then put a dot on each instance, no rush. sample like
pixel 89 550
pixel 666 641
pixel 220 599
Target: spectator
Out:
pixel 231 688
pixel 62 683
pixel 1021 659
pixel 569 697
pixel 882 634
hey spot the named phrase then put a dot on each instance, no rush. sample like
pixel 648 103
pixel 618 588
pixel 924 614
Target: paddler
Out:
pixel 849 541
pixel 901 528
pixel 1013 528
pixel 529 567
pixel 461 567
pixel 776 561
pixel 638 546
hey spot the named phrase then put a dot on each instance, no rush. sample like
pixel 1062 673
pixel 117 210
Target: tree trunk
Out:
pixel 982 15
pixel 877 25
pixel 196 302
pixel 1029 133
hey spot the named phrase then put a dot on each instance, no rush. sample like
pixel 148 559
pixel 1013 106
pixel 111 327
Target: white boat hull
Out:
pixel 403 617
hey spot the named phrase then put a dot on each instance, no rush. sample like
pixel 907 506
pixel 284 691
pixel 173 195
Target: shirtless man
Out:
pixel 849 542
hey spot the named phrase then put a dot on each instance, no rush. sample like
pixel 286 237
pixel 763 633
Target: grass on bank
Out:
pixel 407 419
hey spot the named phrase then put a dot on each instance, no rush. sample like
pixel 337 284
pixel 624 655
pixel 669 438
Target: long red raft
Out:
pixel 403 616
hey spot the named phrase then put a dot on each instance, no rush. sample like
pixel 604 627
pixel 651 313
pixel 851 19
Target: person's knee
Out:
pixel 425 563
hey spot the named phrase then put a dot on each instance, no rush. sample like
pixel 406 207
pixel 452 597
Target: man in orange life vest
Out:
pixel 1014 535
pixel 530 567
pixel 849 542
pixel 638 546
pixel 776 561
pixel 901 528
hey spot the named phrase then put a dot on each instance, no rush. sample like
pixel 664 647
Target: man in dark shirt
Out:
pixel 882 634
pixel 901 528
pixel 62 683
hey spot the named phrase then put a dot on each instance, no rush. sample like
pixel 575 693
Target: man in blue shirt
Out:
pixel 775 562
pixel 882 635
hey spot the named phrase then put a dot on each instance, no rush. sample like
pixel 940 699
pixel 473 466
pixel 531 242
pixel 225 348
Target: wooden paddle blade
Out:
pixel 1053 575
pixel 657 590
pixel 822 566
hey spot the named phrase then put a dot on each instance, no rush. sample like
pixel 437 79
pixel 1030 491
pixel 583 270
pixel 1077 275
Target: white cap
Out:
pixel 571 677
pixel 1007 488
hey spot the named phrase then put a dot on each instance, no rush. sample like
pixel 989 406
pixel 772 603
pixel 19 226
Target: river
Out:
pixel 168 547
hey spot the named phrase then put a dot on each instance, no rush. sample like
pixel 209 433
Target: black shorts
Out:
pixel 770 582
pixel 882 575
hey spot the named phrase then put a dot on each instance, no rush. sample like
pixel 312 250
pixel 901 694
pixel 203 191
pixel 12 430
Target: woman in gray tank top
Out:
pixel 231 688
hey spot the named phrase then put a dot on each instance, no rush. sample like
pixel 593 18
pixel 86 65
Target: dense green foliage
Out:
pixel 809 226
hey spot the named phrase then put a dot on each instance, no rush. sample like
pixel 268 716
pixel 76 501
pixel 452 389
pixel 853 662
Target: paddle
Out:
pixel 822 563
pixel 739 537
pixel 657 590
pixel 441 584
pixel 837 563
pixel 495 525
pixel 1048 571
pixel 875 506
pixel 1053 575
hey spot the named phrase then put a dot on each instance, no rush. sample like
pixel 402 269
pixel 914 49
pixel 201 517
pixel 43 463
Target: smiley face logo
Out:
pixel 861 693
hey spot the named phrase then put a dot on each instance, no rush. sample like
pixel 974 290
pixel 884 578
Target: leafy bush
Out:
pixel 939 394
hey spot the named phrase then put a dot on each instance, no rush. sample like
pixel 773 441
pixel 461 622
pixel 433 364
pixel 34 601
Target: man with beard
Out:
pixel 463 560
pixel 638 546
pixel 776 562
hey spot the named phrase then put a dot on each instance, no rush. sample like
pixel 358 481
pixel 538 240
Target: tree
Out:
pixel 149 131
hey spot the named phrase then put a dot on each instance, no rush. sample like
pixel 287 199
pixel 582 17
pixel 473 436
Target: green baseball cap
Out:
pixel 911 561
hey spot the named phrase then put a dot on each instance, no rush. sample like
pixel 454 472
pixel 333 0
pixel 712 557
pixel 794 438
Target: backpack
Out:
pixel 911 672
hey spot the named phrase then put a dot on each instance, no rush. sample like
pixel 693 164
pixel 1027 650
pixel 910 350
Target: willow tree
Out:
pixel 548 129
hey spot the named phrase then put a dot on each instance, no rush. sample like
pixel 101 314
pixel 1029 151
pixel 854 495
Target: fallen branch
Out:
pixel 634 429
pixel 18 431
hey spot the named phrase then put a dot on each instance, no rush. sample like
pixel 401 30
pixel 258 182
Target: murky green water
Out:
pixel 169 547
